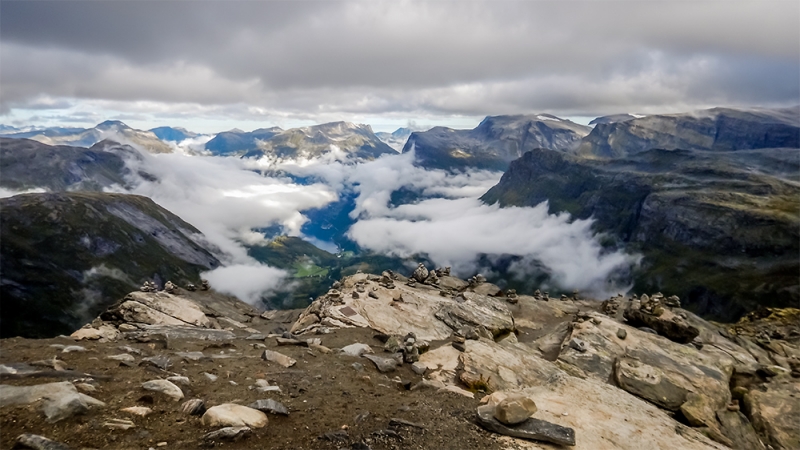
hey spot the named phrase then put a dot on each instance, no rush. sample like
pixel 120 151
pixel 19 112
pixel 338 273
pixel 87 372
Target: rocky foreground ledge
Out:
pixel 389 362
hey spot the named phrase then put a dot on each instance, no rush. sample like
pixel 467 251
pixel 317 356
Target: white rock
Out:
pixel 356 349
pixel 233 415
pixel 140 411
pixel 514 409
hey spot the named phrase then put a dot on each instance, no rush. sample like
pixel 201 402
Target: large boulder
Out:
pixel 775 413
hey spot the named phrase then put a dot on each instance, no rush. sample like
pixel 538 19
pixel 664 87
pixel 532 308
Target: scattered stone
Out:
pixel 124 357
pixel 622 333
pixel 533 429
pixel 419 368
pixel 459 346
pixel 165 387
pixel 372 294
pixel 129 349
pixel 59 400
pixel 192 356
pixel 194 407
pixel 356 349
pixel 283 341
pixel 233 415
pixel 210 376
pixel 161 361
pixel 578 345
pixel 255 337
pixel 177 379
pixel 36 442
pixel 228 434
pixel 334 436
pixel 397 423
pixel 278 358
pixel 383 364
pixel 73 348
pixel 270 406
pixel 85 387
pixel 514 409
pixel 140 411
pixel 119 424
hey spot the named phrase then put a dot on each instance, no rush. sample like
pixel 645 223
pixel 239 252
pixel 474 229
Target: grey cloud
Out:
pixel 320 59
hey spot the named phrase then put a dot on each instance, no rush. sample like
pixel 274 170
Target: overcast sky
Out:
pixel 215 65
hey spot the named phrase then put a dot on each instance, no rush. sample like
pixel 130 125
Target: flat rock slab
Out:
pixel 36 442
pixel 534 429
pixel 278 358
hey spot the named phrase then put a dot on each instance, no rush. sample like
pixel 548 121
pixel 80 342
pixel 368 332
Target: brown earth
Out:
pixel 323 392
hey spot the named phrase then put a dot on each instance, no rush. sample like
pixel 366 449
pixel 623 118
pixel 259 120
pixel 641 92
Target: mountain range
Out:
pixel 709 199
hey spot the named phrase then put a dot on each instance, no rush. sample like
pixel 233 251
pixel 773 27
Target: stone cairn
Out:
pixel 170 287
pixel 512 297
pixel 148 286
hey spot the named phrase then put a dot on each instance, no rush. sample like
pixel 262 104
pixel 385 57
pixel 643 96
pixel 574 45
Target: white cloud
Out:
pixel 5 192
pixel 247 282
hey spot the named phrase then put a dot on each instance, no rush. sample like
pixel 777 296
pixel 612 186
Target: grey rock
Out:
pixel 383 364
pixel 194 407
pixel 284 341
pixel 419 368
pixel 459 346
pixel 228 434
pixel 622 333
pixel 124 357
pixel 577 344
pixel 59 400
pixel 534 429
pixel 178 379
pixel 192 356
pixel 255 337
pixel 649 382
pixel 164 387
pixel 270 406
pixel 161 361
pixel 36 442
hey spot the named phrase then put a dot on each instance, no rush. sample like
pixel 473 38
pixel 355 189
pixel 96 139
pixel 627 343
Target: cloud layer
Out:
pixel 320 61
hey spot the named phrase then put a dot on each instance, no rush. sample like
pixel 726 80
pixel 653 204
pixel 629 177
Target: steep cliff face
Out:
pixel 67 256
pixel 494 143
pixel 719 229
pixel 718 129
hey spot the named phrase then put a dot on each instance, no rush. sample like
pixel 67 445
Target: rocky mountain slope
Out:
pixel 27 164
pixel 718 129
pixel 396 139
pixel 307 142
pixel 721 229
pixel 67 256
pixel 388 362
pixel 494 143
pixel 113 130
pixel 237 141
pixel 174 134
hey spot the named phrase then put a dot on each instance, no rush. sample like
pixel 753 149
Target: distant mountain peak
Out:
pixel 111 124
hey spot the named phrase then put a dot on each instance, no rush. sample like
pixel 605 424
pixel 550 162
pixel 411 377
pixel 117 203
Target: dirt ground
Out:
pixel 323 392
